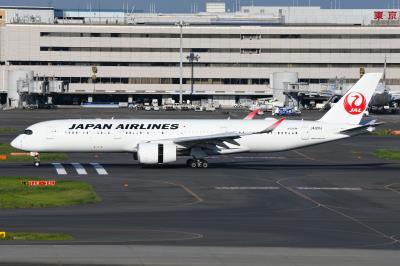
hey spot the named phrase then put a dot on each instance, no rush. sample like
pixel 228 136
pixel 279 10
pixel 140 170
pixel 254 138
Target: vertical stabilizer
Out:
pixel 350 108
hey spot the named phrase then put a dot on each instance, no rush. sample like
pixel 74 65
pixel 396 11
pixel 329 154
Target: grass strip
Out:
pixel 6 149
pixel 36 236
pixel 5 130
pixel 382 132
pixel 14 194
pixel 388 154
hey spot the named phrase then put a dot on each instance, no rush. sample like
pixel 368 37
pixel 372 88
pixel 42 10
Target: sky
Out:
pixel 187 5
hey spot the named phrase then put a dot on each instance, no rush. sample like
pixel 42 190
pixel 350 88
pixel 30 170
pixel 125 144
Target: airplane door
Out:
pixel 51 133
pixel 305 133
pixel 118 134
pixel 224 129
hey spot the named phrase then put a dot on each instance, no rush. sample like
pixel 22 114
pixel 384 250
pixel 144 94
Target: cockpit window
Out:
pixel 28 132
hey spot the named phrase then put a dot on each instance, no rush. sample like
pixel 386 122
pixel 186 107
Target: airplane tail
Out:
pixel 350 108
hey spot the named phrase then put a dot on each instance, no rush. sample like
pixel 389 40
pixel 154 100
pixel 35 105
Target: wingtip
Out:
pixel 273 126
pixel 277 123
pixel 251 115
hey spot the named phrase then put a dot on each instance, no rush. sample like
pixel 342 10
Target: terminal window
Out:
pixel 250 51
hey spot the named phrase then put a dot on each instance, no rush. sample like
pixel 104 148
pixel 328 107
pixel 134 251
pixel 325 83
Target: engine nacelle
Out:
pixel 156 153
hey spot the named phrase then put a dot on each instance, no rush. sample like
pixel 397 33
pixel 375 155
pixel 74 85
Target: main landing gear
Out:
pixel 197 163
pixel 197 153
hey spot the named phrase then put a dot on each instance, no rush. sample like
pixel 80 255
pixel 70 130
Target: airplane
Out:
pixel 161 141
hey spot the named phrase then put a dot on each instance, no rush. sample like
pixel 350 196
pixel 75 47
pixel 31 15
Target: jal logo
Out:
pixel 355 103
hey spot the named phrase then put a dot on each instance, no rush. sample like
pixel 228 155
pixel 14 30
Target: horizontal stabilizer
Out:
pixel 361 128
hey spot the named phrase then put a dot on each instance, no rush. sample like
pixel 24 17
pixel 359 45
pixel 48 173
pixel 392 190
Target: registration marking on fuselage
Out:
pixel 99 169
pixel 247 188
pixel 79 169
pixel 59 168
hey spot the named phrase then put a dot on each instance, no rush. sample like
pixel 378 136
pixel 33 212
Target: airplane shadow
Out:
pixel 261 166
pixel 250 165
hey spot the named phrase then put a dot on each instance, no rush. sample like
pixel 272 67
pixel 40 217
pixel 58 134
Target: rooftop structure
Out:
pixel 138 54
pixel 216 13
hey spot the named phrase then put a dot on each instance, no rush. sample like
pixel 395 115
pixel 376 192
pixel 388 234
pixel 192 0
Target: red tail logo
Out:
pixel 355 103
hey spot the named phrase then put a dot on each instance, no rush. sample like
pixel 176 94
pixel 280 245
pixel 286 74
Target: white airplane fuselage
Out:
pixel 117 135
pixel 161 141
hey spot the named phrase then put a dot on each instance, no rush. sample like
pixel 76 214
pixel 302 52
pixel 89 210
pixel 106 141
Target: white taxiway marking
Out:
pixel 247 188
pixel 79 169
pixel 59 168
pixel 260 157
pixel 330 188
pixel 99 169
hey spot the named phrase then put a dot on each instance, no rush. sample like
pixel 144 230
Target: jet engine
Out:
pixel 156 153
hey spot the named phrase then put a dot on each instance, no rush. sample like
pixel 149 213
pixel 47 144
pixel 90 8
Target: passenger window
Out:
pixel 28 132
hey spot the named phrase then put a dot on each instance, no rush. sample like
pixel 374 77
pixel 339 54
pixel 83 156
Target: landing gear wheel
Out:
pixel 204 164
pixel 37 159
pixel 191 163
pixel 197 163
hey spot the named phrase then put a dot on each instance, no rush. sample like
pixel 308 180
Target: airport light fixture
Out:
pixel 192 57
pixel 94 77
pixel 181 24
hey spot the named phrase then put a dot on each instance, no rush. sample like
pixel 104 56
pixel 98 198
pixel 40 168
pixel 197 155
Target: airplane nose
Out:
pixel 17 143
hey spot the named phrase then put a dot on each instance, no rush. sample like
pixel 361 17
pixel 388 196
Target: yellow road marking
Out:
pixel 197 198
pixel 189 191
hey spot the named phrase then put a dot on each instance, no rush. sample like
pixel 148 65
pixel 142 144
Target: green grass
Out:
pixel 5 130
pixel 6 149
pixel 14 194
pixel 36 236
pixel 388 154
pixel 381 132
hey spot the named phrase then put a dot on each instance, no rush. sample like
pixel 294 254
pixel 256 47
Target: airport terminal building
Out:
pixel 78 56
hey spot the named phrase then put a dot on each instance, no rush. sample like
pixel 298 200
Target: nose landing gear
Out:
pixel 37 158
pixel 197 163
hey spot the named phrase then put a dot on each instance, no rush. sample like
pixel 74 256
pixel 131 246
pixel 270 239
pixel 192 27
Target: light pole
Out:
pixel 94 77
pixel 192 57
pixel 181 24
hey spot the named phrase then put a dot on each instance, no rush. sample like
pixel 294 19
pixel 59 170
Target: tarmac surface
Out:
pixel 334 204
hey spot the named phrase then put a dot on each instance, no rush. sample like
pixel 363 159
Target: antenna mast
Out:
pixel 384 74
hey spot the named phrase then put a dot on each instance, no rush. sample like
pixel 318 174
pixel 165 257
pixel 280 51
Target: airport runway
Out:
pixel 335 195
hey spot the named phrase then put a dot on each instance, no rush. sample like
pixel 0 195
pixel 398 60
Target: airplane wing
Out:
pixel 272 127
pixel 214 139
pixel 219 139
